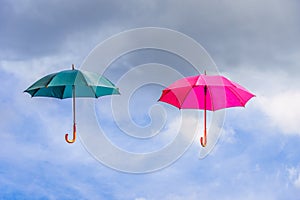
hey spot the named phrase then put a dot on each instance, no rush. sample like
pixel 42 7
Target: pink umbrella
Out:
pixel 205 92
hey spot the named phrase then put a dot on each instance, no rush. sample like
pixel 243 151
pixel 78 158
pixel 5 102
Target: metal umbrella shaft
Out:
pixel 74 115
pixel 74 121
pixel 203 139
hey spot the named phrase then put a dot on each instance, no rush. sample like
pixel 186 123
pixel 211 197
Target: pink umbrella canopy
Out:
pixel 205 92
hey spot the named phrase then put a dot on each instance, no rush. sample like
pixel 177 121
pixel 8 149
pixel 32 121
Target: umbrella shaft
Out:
pixel 73 91
pixel 205 91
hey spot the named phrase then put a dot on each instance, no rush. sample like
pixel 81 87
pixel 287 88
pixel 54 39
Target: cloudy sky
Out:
pixel 255 43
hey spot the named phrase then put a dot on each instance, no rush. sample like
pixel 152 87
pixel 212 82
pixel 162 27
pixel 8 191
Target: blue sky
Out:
pixel 255 43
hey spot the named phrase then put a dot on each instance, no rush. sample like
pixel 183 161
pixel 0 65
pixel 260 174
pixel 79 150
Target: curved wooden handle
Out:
pixel 74 135
pixel 203 141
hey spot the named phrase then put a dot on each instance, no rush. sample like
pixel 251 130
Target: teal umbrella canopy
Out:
pixel 60 85
pixel 70 84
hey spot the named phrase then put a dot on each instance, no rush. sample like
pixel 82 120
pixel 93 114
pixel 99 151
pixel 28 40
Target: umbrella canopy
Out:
pixel 70 84
pixel 60 85
pixel 205 92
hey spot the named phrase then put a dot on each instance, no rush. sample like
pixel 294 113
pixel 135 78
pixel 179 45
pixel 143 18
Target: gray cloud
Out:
pixel 39 28
pixel 258 33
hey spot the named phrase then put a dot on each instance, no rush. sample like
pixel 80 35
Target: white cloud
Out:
pixel 294 176
pixel 283 110
pixel 28 71
pixel 297 182
pixel 277 95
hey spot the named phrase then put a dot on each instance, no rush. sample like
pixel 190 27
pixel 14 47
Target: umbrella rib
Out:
pixel 46 85
pixel 50 79
pixel 63 92
pixel 36 90
pixel 84 79
pixel 187 94
pixel 100 86
pixel 94 90
pixel 177 100
pixel 237 95
pixel 89 86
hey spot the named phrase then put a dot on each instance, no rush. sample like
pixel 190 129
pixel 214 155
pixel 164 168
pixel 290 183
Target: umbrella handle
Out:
pixel 203 139
pixel 74 135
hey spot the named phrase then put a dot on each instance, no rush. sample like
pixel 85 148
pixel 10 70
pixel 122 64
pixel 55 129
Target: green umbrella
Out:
pixel 70 84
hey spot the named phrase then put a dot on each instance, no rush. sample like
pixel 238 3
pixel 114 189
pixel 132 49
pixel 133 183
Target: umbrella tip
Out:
pixel 204 72
pixel 73 67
